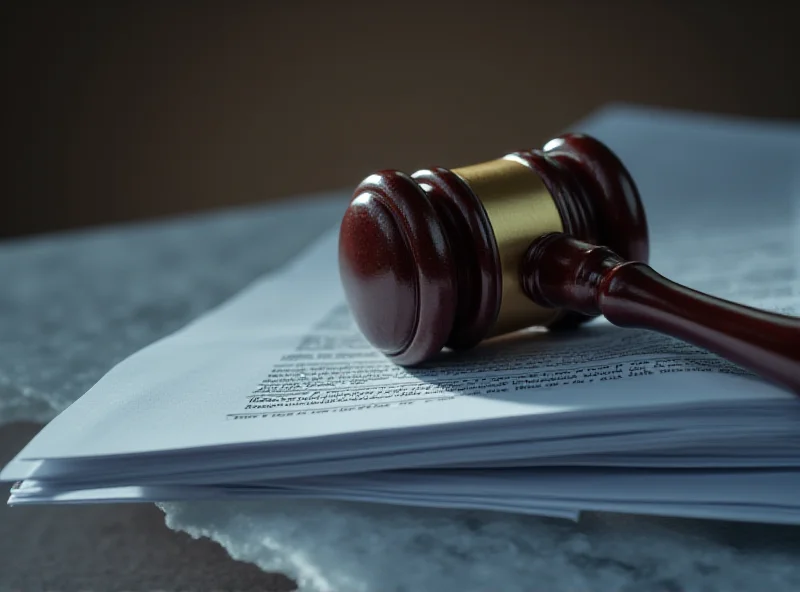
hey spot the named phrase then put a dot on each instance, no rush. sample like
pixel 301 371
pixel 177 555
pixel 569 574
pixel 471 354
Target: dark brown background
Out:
pixel 124 110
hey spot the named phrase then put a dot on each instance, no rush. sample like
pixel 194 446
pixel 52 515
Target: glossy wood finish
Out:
pixel 421 270
pixel 418 256
pixel 563 272
pixel 596 196
pixel 397 268
pixel 477 263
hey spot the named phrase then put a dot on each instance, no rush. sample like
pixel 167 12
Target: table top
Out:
pixel 74 304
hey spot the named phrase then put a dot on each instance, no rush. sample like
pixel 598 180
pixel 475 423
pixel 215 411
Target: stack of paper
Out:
pixel 276 394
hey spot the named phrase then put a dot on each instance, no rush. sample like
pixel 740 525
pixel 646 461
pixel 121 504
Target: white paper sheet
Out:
pixel 284 361
pixel 278 384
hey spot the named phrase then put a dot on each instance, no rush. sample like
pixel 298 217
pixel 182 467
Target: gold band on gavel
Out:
pixel 520 209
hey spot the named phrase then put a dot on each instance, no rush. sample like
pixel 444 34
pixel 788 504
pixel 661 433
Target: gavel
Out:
pixel 551 238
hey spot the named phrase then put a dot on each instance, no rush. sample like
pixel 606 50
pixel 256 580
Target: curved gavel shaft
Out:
pixel 562 272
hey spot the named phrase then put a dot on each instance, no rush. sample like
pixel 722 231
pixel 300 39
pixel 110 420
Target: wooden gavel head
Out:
pixel 434 259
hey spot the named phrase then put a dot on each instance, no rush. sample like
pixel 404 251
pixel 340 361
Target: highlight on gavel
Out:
pixel 553 237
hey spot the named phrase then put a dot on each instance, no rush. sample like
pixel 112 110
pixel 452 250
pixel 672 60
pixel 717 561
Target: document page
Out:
pixel 333 368
pixel 759 267
pixel 284 361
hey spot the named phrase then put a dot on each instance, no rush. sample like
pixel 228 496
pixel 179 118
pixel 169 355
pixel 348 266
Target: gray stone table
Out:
pixel 73 305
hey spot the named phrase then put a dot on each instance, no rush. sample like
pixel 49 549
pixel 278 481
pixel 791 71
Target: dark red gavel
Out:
pixel 552 237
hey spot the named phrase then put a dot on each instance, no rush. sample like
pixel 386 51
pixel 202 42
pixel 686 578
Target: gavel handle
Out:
pixel 562 272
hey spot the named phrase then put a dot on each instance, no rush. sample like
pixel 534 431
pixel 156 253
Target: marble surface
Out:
pixel 73 305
